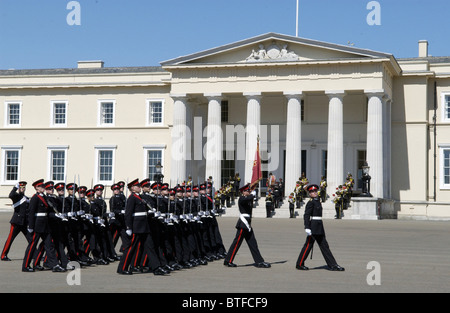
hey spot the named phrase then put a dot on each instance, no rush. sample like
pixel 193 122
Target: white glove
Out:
pixel 308 231
pixel 17 185
pixel 253 193
pixel 30 230
pixel 129 232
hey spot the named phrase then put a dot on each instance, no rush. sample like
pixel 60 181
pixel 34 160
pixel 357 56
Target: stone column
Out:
pixel 375 147
pixel 335 158
pixel 293 168
pixel 180 137
pixel 214 139
pixel 251 132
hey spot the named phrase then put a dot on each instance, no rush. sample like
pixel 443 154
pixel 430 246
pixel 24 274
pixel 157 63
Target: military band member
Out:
pixel 316 232
pixel 291 201
pixel 19 220
pixel 39 228
pixel 245 231
pixel 269 204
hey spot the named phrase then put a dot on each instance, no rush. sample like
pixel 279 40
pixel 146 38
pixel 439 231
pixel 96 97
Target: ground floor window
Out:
pixel 11 164
pixel 57 163
pixel 105 164
pixel 228 166
pixel 445 166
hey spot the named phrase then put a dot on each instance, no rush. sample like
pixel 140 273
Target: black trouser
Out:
pixel 14 231
pixel 249 236
pixel 324 248
pixel 48 246
pixel 146 247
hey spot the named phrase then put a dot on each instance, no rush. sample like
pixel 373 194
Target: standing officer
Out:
pixel 244 230
pixel 19 219
pixel 316 232
pixel 39 228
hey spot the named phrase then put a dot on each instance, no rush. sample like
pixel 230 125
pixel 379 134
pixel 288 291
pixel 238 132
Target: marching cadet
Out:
pixel 87 226
pixel 139 230
pixel 184 227
pixel 39 228
pixel 316 232
pixel 244 230
pixel 215 235
pixel 111 255
pixel 55 221
pixel 19 220
pixel 98 244
pixel 117 205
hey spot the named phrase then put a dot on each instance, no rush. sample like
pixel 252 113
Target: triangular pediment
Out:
pixel 273 47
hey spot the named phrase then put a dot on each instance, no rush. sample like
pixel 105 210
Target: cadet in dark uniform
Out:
pixel 19 219
pixel 316 232
pixel 244 230
pixel 117 206
pixel 139 231
pixel 39 228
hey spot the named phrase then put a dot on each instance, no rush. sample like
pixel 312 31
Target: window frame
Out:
pixel 100 122
pixel 7 114
pixel 98 149
pixel 147 149
pixel 50 150
pixel 149 102
pixel 444 95
pixel 4 150
pixel 53 115
pixel 442 149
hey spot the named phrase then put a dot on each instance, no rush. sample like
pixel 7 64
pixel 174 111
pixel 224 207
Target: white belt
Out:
pixel 242 218
pixel 140 214
pixel 41 214
pixel 317 218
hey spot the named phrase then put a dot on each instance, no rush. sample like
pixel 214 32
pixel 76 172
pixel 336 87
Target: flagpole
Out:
pixel 296 22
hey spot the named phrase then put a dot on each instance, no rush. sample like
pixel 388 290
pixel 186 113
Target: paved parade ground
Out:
pixel 378 256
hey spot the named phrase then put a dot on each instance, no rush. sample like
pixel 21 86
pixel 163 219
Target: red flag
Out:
pixel 256 171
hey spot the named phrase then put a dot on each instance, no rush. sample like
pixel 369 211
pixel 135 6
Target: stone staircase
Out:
pixel 283 212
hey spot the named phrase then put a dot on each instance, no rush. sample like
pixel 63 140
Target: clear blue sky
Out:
pixel 35 34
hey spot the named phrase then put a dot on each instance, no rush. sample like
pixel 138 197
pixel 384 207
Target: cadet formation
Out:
pixel 161 229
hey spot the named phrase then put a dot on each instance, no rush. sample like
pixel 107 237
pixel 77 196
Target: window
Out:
pixel 362 157
pixel 106 113
pixel 13 116
pixel 324 162
pixel 224 111
pixel 446 107
pixel 59 113
pixel 11 164
pixel 445 166
pixel 155 112
pixel 152 155
pixel 57 156
pixel 105 164
pixel 228 167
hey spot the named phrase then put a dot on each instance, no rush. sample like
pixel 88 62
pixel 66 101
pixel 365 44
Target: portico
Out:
pixel 329 101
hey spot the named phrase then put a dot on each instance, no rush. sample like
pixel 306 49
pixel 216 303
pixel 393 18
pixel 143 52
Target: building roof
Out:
pixel 82 71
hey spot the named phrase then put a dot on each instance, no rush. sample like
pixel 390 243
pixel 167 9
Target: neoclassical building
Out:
pixel 319 108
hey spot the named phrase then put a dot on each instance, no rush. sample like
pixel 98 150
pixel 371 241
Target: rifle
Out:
pixel 73 200
pixel 168 217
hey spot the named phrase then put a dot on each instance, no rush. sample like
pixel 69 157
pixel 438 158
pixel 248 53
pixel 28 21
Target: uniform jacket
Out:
pixel 314 209
pixel 245 208
pixel 136 215
pixel 38 204
pixel 117 206
pixel 20 216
